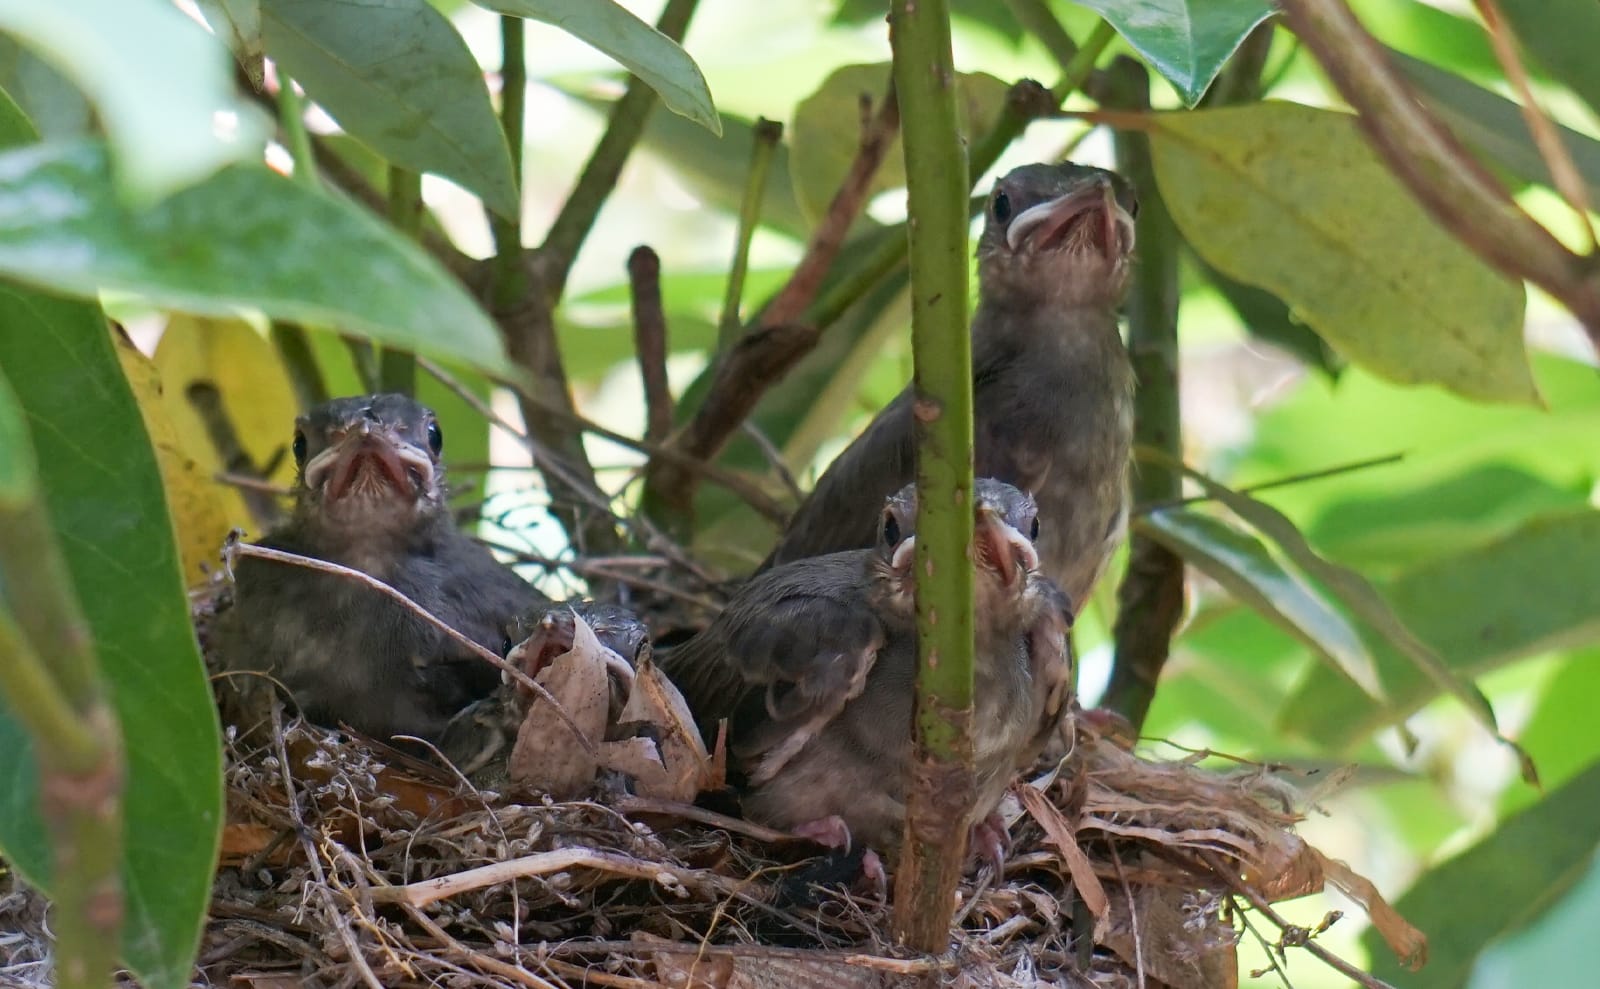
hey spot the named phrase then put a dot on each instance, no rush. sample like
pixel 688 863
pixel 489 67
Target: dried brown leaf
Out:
pixel 1409 944
pixel 547 756
pixel 1063 836
pixel 673 766
pixel 1175 944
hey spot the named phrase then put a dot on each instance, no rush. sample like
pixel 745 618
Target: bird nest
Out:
pixel 346 862
pixel 342 865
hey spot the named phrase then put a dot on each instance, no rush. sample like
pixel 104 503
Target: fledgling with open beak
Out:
pixel 370 495
pixel 1052 385
pixel 813 666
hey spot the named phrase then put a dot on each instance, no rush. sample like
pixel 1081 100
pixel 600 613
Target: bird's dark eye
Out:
pixel 1002 207
pixel 891 530
pixel 435 437
pixel 505 646
pixel 299 448
pixel 1033 534
pixel 1133 209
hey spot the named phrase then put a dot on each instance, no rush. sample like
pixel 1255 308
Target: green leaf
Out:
pixel 1494 126
pixel 395 74
pixel 1497 886
pixel 158 80
pixel 1560 731
pixel 1560 35
pixel 245 238
pixel 826 132
pixel 1242 564
pixel 1266 317
pixel 102 487
pixel 714 167
pixel 1187 41
pixel 47 96
pixel 239 23
pixel 1528 593
pixel 1356 593
pixel 656 59
pixel 1290 198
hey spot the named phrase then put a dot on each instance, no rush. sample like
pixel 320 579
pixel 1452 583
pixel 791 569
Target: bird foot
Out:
pixel 872 871
pixel 988 840
pixel 829 832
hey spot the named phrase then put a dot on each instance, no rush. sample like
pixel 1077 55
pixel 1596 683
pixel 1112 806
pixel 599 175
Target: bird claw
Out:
pixel 829 832
pixel 988 840
pixel 872 871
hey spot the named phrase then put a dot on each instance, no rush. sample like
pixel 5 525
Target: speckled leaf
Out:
pixel 1500 885
pixel 827 130
pixel 104 495
pixel 1187 41
pixel 1291 199
pixel 1528 593
pixel 659 61
pixel 395 74
pixel 158 80
pixel 1242 563
pixel 245 238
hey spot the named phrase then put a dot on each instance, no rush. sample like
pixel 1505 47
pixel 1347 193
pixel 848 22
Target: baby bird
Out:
pixel 370 495
pixel 813 666
pixel 1052 385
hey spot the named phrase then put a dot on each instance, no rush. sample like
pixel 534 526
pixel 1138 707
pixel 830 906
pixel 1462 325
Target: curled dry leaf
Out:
pixel 547 756
pixel 653 739
pixel 1173 933
pixel 665 756
pixel 1409 944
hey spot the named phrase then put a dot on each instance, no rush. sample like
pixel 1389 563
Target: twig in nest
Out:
pixel 1133 917
pixel 335 917
pixel 650 340
pixel 710 818
pixel 419 894
pixel 237 548
pixel 1230 877
pixel 477 959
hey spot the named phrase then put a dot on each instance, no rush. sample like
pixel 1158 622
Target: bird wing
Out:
pixel 783 659
pixel 843 509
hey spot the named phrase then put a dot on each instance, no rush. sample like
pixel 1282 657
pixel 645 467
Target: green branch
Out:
pixel 1150 598
pixel 397 369
pixel 941 790
pixel 767 135
pixel 294 346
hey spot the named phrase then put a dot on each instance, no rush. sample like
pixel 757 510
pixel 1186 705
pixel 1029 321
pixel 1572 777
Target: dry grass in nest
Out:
pixel 343 867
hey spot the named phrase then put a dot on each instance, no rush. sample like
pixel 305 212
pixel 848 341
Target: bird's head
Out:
pixel 1063 233
pixel 1005 524
pixel 371 462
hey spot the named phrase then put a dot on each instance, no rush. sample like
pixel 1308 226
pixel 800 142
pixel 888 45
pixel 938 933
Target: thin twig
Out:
pixel 1230 877
pixel 1279 482
pixel 650 340
pixel 745 489
pixel 420 894
pixel 744 373
pixel 767 135
pixel 334 917
pixel 1563 172
pixel 895 966
pixel 710 818
pixel 1267 947
pixel 1133 917
pixel 237 548
pixel 477 959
